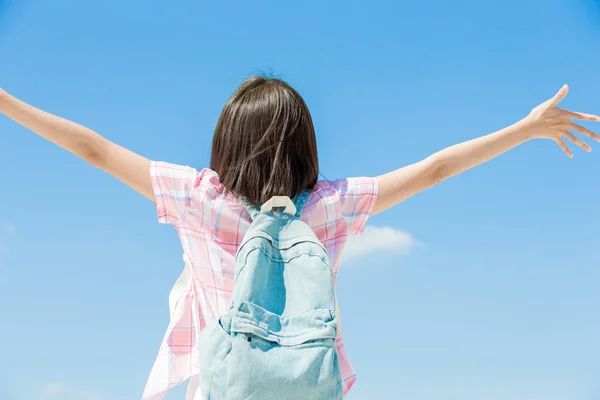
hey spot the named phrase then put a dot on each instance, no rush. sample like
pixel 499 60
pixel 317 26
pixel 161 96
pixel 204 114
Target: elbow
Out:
pixel 93 152
pixel 440 171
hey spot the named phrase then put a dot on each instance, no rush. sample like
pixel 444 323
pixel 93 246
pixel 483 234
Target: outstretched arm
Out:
pixel 125 165
pixel 545 121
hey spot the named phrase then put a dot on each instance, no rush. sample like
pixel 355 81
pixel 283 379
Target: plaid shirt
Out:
pixel 211 226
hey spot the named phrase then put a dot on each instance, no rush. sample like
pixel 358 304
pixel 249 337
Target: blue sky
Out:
pixel 501 300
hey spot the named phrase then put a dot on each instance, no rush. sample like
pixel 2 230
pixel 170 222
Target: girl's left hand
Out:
pixel 547 121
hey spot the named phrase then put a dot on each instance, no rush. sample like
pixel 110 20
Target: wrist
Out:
pixel 3 100
pixel 525 129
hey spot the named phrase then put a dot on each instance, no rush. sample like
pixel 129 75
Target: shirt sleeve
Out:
pixel 356 198
pixel 172 185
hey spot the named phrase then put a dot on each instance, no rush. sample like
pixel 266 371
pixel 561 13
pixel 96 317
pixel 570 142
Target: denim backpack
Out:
pixel 277 340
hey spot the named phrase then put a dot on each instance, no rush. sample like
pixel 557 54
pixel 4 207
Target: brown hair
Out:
pixel 264 143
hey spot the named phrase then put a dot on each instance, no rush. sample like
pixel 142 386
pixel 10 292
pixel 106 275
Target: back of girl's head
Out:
pixel 264 143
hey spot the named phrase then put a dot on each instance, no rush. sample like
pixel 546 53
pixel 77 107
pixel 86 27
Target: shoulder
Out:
pixel 208 179
pixel 340 188
pixel 350 200
pixel 185 175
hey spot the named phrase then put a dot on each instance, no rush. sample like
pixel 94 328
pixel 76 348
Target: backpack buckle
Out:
pixel 279 201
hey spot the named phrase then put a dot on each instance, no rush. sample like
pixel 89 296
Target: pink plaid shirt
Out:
pixel 211 226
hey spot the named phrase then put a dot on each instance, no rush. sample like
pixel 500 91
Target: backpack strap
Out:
pixel 294 207
pixel 300 202
pixel 253 210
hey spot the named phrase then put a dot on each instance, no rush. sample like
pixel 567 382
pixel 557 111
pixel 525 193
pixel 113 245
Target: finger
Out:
pixel 558 96
pixel 584 131
pixel 563 146
pixel 577 141
pixel 581 116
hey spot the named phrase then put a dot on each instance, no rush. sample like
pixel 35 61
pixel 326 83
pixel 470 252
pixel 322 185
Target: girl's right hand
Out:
pixel 547 121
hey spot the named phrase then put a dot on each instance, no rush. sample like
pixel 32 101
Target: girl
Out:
pixel 264 145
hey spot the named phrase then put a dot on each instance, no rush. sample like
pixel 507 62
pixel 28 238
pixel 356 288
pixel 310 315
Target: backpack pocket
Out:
pixel 252 319
pixel 273 357
pixel 214 348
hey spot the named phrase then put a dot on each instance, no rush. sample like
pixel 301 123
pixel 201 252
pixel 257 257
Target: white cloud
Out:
pixel 379 239
pixel 87 395
pixel 62 390
pixel 54 389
